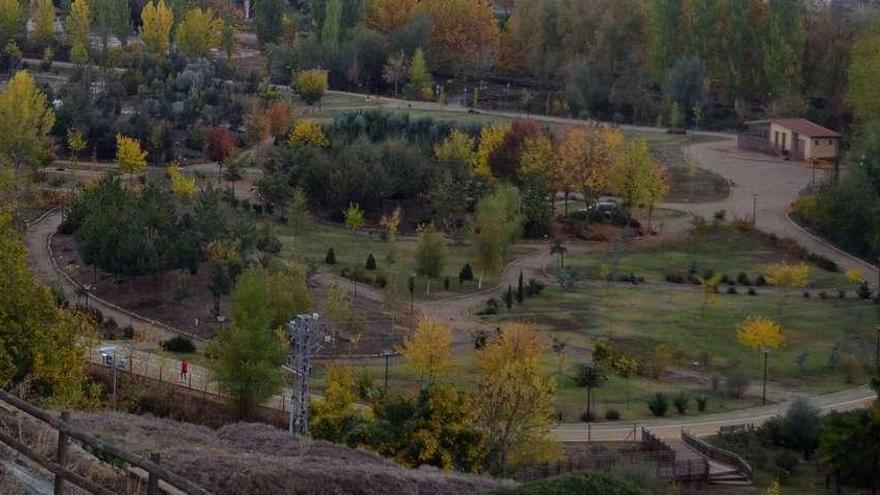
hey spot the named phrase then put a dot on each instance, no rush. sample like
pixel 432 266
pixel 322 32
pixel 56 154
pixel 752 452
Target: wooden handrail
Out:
pixel 133 459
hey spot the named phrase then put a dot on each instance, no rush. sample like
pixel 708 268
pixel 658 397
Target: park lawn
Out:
pixel 352 249
pixel 725 251
pixel 636 320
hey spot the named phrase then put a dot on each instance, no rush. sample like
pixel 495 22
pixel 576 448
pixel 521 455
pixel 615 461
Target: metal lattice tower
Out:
pixel 306 338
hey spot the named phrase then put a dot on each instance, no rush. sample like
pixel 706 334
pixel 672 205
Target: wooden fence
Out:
pixel 66 433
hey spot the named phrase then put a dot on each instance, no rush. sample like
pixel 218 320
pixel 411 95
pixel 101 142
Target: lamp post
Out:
pixel 877 350
pixel 387 355
pixel 411 285
pixel 592 378
pixel 754 210
pixel 109 356
pixel 764 387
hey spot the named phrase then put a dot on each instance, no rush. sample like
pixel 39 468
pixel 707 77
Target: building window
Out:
pixel 830 141
pixel 815 142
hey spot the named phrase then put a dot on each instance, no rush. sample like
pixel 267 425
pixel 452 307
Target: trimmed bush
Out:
pixel 702 401
pixel 732 290
pixel 752 292
pixel 612 415
pixel 743 279
pixel 330 259
pixel 760 281
pixel 681 402
pixel 658 404
pixel 466 274
pixel 179 344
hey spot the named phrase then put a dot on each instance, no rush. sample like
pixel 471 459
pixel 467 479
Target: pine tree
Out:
pixel 371 262
pixel 520 289
pixel 508 298
pixel 330 259
pixel 330 30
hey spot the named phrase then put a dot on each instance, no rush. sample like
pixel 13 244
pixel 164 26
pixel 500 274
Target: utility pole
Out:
pixel 877 349
pixel 305 336
pixel 764 388
pixel 387 355
pixel 754 210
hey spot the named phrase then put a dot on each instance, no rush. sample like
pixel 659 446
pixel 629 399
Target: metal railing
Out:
pixel 716 454
pixel 66 432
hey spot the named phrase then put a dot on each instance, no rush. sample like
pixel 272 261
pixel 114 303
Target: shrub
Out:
pixel 674 278
pixel 760 281
pixel 330 259
pixel 579 483
pixel 823 294
pixel 737 384
pixel 864 291
pixel 371 262
pixel 681 402
pixel 732 290
pixel 841 294
pixel 752 292
pixel 786 462
pixel 588 417
pixel 658 404
pixel 743 279
pixel 725 279
pixel 128 332
pixel 534 288
pixel 381 282
pixel 491 308
pixel 806 294
pixel 702 401
pixel 446 284
pixel 179 344
pixel 612 415
pixel 466 274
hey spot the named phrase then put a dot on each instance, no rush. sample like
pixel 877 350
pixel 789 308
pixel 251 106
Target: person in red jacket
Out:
pixel 184 369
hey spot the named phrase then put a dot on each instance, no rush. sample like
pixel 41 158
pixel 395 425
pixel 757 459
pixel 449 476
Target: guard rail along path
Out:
pixel 67 432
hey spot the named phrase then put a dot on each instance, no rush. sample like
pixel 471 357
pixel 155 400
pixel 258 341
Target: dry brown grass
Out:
pixel 260 459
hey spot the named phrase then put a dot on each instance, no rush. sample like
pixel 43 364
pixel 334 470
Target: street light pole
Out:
pixel 754 210
pixel 764 388
pixel 877 350
pixel 590 378
pixel 387 354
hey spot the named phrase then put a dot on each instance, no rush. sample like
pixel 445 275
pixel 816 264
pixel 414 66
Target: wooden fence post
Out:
pixel 61 454
pixel 153 480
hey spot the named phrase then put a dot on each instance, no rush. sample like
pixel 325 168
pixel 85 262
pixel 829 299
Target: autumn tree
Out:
pixel 129 155
pixel 79 28
pixel 76 142
pixel 504 161
pixel 278 116
pixel 44 22
pixel 308 133
pixel 182 186
pixel 354 217
pixel 219 143
pixel 12 20
pixel 515 399
pixel 497 225
pixel 420 83
pixel 156 29
pixel 431 254
pixel 249 352
pixel 464 35
pixel 395 70
pixel 491 137
pixel 457 147
pixel 428 351
pixel 759 332
pixel 256 127
pixel 40 342
pixel 387 15
pixel 198 33
pixel 637 177
pixel 311 85
pixel 25 121
pixel 586 158
pixel 335 411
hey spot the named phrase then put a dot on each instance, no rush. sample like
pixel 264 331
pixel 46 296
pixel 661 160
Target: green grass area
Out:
pixel 638 320
pixel 725 251
pixel 310 247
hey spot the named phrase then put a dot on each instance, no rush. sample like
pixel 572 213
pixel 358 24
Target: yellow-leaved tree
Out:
pixel 182 186
pixel 759 332
pixel 587 155
pixel 129 155
pixel 308 133
pixel 515 399
pixel 491 138
pixel 538 155
pixel 330 413
pixel 41 343
pixel 156 29
pixel 637 177
pixel 44 22
pixel 311 85
pixel 457 147
pixel 79 28
pixel 25 120
pixel 198 33
pixel 787 277
pixel 428 351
